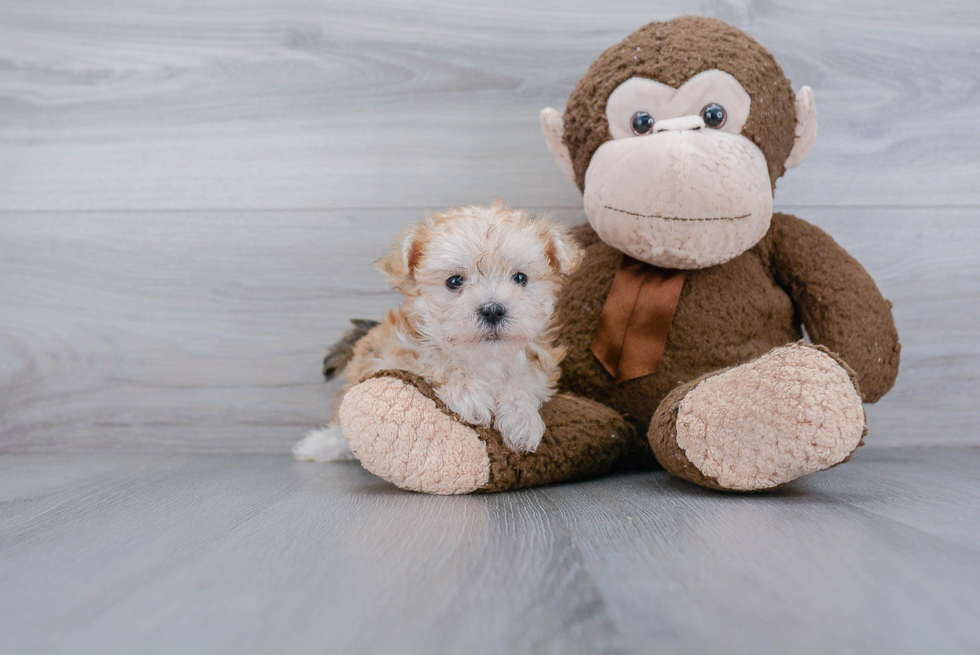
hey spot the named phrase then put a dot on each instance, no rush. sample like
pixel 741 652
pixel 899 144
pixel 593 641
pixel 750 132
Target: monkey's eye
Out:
pixel 641 123
pixel 714 115
pixel 519 278
pixel 455 282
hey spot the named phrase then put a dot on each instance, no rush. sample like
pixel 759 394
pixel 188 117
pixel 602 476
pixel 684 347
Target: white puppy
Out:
pixel 480 286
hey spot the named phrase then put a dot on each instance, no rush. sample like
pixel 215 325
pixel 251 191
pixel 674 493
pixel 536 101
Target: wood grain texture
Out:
pixel 258 554
pixel 191 194
pixel 190 332
pixel 190 319
pixel 289 104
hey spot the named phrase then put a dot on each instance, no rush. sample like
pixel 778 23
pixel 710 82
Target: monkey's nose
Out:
pixel 492 314
pixel 678 124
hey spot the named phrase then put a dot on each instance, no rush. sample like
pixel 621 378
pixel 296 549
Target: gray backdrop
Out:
pixel 191 194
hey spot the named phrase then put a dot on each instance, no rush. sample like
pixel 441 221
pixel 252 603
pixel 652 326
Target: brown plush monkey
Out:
pixel 684 323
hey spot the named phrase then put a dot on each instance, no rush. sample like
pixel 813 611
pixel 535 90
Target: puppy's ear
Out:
pixel 563 251
pixel 398 266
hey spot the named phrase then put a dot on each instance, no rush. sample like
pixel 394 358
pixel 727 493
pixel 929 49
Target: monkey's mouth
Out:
pixel 678 218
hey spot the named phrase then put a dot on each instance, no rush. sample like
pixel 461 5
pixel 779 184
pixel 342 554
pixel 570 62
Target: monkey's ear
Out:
pixel 398 265
pixel 553 125
pixel 806 127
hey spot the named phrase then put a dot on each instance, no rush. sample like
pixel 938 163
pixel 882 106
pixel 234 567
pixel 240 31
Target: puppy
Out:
pixel 480 286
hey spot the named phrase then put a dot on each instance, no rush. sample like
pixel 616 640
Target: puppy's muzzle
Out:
pixel 492 314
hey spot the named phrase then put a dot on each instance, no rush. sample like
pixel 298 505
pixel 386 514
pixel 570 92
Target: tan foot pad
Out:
pixel 401 436
pixel 791 412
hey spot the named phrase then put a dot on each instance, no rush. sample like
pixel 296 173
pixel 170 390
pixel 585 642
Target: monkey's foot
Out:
pixel 793 411
pixel 401 432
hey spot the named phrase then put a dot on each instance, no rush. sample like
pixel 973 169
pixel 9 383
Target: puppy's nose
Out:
pixel 492 314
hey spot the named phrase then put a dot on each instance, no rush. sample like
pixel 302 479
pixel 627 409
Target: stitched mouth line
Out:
pixel 678 218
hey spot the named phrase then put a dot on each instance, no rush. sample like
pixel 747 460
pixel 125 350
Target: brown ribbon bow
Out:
pixel 636 319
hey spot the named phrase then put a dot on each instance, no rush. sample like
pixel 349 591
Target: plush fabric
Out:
pixel 672 52
pixel 662 101
pixel 732 313
pixel 736 401
pixel 726 316
pixel 400 431
pixel 408 439
pixel 636 318
pixel 583 439
pixel 675 454
pixel 704 200
pixel 790 412
pixel 838 302
pixel 553 124
pixel 806 127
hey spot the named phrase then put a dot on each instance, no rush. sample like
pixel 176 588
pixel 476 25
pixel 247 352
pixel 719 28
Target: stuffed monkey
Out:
pixel 684 324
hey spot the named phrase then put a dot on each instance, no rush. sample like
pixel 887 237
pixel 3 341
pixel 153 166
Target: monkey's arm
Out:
pixel 838 302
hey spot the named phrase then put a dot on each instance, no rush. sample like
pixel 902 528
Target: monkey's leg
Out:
pixel 403 433
pixel 793 411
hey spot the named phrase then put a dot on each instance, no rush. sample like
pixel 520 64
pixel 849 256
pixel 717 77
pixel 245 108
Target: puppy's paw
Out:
pixel 471 407
pixel 521 426
pixel 476 416
pixel 323 445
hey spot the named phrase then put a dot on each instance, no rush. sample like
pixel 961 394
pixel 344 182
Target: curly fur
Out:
pixel 489 374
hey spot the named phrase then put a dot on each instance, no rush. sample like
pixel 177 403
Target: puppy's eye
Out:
pixel 641 123
pixel 519 278
pixel 455 282
pixel 714 115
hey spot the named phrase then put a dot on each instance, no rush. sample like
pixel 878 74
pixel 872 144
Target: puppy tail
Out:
pixel 341 352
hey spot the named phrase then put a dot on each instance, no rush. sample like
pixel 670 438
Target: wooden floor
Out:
pixel 191 196
pixel 256 553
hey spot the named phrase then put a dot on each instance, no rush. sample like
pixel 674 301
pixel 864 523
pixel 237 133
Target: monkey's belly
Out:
pixel 726 315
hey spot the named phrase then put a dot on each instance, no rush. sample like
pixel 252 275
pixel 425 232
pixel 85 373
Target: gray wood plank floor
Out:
pixel 258 554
